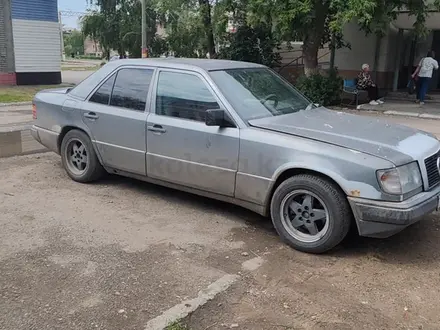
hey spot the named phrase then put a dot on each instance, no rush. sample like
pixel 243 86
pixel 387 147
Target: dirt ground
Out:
pixel 115 254
pixel 365 284
pixel 106 256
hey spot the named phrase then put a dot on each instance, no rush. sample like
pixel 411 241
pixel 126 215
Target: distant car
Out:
pixel 240 133
pixel 114 58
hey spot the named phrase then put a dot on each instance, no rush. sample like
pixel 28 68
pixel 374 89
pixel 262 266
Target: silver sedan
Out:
pixel 240 133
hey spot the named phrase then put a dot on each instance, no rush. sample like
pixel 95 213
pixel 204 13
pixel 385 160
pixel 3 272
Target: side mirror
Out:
pixel 218 117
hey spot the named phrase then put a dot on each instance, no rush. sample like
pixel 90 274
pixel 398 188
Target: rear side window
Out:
pixel 102 95
pixel 131 88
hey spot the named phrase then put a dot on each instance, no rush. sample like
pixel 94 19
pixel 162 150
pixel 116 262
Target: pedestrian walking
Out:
pixel 423 75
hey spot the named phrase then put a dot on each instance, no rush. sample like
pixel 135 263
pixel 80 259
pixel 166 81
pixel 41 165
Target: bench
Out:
pixel 351 89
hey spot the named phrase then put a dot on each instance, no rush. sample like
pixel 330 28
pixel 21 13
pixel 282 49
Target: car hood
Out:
pixel 396 143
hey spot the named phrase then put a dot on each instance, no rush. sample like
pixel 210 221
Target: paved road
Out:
pixel 115 254
pixel 429 125
pixel 15 116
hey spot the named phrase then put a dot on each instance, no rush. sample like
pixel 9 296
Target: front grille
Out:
pixel 432 170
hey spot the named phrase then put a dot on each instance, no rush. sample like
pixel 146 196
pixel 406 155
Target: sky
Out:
pixel 73 5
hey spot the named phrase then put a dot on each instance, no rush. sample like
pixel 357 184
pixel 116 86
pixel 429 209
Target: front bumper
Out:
pixel 47 138
pixel 383 219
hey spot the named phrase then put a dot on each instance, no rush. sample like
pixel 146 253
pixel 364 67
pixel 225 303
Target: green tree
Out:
pixel 189 25
pixel 314 22
pixel 117 25
pixel 74 43
pixel 205 8
pixel 255 45
pixel 99 27
pixel 248 43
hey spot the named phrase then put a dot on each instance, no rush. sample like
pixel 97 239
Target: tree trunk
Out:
pixel 313 39
pixel 310 54
pixel 205 10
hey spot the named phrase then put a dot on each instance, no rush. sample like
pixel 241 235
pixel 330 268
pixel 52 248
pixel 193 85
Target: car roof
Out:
pixel 83 89
pixel 187 63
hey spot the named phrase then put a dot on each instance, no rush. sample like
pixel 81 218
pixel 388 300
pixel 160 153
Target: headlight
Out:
pixel 400 180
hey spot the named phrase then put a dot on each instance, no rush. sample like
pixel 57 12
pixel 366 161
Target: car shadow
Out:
pixel 234 212
pixel 417 244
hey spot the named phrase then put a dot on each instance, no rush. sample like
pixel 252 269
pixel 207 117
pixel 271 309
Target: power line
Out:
pixel 71 13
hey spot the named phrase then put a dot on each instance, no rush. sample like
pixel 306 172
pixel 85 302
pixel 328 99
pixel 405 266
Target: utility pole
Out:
pixel 144 29
pixel 61 37
pixel 66 13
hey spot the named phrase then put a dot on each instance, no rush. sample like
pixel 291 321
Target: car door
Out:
pixel 116 116
pixel 180 147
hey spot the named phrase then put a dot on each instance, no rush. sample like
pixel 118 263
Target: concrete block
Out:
pixel 19 142
pixel 10 143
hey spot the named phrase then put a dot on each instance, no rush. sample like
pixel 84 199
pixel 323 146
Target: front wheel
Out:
pixel 310 213
pixel 79 158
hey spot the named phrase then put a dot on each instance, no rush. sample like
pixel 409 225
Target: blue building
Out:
pixel 30 44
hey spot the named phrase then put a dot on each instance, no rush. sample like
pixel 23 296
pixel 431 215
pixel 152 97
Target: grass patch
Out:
pixel 177 326
pixel 80 68
pixel 10 94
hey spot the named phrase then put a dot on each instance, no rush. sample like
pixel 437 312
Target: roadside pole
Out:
pixel 61 37
pixel 144 29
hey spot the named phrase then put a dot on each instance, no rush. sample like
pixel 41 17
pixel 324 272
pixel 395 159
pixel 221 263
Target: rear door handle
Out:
pixel 91 115
pixel 156 129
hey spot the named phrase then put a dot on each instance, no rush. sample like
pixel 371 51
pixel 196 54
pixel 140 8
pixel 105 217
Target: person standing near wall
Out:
pixel 423 75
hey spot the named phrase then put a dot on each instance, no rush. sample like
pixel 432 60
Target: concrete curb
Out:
pixel 392 113
pixel 187 307
pixel 412 114
pixel 19 141
pixel 14 104
pixel 401 113
pixel 429 116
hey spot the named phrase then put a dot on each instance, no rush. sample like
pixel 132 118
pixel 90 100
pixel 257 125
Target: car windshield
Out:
pixel 259 92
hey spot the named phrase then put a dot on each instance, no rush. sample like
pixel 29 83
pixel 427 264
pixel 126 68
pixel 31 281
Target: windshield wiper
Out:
pixel 310 106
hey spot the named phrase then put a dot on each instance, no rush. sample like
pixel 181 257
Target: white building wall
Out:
pixel 423 46
pixel 37 46
pixel 37 41
pixel 387 52
pixel 361 51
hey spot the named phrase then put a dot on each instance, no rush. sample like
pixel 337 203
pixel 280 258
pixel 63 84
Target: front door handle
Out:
pixel 91 115
pixel 156 129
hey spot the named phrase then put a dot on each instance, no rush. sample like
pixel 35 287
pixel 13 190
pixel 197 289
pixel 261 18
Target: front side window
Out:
pixel 131 88
pixel 184 96
pixel 102 95
pixel 258 93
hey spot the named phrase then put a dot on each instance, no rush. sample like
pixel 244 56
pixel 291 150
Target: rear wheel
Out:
pixel 310 213
pixel 79 158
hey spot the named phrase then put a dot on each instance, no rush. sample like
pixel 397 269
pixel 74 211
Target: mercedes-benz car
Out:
pixel 240 133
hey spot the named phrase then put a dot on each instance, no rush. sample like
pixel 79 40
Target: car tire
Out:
pixel 313 224
pixel 79 158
